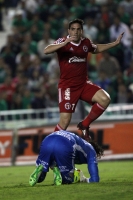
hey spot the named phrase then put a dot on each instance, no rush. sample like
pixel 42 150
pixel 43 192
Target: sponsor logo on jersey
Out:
pixel 67 94
pixel 67 106
pixel 77 59
pixel 85 48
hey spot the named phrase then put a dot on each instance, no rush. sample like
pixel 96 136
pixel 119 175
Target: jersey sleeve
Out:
pixel 93 46
pixel 59 40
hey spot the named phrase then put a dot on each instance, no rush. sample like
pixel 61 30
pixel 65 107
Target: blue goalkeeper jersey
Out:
pixel 66 149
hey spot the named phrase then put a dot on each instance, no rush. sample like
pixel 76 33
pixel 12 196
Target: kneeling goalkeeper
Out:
pixel 60 151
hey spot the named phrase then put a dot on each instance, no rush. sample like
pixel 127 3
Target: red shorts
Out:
pixel 68 97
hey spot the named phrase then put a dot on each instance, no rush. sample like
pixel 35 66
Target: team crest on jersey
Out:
pixel 67 106
pixel 85 48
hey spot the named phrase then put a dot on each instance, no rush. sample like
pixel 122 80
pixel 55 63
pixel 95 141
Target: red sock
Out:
pixel 95 112
pixel 58 128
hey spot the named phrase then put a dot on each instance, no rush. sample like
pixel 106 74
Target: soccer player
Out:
pixel 65 149
pixel 73 85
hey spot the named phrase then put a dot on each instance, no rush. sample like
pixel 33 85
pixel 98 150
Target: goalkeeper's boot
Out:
pixel 57 176
pixel 85 132
pixel 35 175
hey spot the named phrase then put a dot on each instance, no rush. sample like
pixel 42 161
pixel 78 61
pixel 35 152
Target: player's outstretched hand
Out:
pixel 69 39
pixel 119 38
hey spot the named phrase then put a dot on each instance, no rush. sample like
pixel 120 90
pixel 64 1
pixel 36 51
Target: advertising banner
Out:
pixel 116 138
pixel 5 147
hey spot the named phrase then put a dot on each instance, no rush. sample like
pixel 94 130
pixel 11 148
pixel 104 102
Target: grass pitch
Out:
pixel 116 183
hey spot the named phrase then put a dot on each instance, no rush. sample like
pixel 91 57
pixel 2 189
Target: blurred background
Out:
pixel 29 79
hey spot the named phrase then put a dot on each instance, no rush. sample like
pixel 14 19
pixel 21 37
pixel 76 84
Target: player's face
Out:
pixel 75 31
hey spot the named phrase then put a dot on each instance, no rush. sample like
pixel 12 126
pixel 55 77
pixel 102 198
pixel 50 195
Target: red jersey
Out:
pixel 73 62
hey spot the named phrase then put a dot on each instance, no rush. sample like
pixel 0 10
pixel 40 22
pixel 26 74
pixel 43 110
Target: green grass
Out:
pixel 116 183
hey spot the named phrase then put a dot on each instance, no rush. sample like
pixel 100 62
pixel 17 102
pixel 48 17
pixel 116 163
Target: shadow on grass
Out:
pixel 25 186
pixel 111 182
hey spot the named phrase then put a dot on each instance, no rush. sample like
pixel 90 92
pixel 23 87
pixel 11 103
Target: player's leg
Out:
pixel 78 175
pixel 37 176
pixel 64 121
pixel 102 98
pixel 99 99
pixel 64 157
pixel 43 161
pixel 57 176
pixel 68 98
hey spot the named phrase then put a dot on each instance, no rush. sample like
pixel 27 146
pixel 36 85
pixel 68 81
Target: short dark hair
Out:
pixel 79 21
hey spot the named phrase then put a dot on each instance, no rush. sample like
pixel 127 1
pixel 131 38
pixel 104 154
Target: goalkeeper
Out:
pixel 60 151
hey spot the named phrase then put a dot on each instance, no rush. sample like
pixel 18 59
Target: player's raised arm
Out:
pixel 104 47
pixel 57 45
pixel 53 48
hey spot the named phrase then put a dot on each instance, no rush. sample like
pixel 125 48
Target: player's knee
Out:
pixel 106 100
